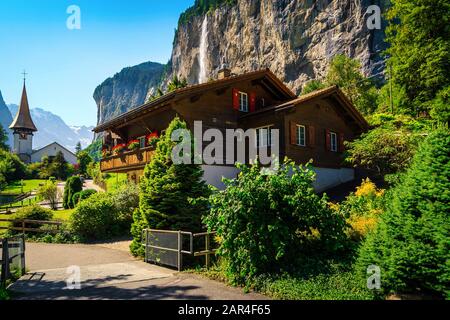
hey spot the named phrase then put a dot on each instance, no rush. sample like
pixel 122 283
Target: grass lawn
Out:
pixel 63 215
pixel 29 185
pixel 114 180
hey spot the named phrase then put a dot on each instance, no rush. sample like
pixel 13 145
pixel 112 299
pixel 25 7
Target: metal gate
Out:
pixel 12 257
pixel 165 247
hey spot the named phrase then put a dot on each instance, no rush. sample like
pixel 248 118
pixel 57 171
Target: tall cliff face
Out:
pixel 294 38
pixel 127 89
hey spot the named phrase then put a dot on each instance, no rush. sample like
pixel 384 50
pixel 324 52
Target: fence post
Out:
pixel 23 227
pixel 180 263
pixel 146 245
pixel 5 262
pixel 207 250
pixel 22 255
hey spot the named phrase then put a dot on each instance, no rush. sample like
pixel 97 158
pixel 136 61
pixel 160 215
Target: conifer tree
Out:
pixel 172 196
pixel 411 244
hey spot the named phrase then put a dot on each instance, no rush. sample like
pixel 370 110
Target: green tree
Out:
pixel 266 222
pixel 84 159
pixel 312 86
pixel 95 150
pixel 411 244
pixel 11 167
pixel 3 139
pixel 73 185
pixel 78 148
pixel 170 194
pixel 419 37
pixel 176 83
pixel 59 167
pixel 49 192
pixel 440 109
pixel 346 73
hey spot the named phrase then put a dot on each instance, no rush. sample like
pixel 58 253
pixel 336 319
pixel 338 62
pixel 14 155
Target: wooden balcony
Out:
pixel 127 161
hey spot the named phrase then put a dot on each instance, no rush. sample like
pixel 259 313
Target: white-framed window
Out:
pixel 333 142
pixel 141 142
pixel 243 102
pixel 264 136
pixel 301 136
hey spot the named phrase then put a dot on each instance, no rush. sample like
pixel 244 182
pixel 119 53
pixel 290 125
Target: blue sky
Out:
pixel 65 66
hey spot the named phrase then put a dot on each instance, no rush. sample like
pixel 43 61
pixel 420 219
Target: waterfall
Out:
pixel 202 74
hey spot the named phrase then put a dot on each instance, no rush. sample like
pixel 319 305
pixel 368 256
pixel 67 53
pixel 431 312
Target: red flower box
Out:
pixel 119 148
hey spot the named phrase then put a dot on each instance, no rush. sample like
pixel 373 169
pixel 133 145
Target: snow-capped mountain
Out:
pixel 52 128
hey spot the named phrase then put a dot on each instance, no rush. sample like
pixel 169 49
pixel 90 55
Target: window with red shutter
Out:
pixel 293 131
pixel 235 99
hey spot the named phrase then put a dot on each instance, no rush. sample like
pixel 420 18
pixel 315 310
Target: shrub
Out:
pixel 266 221
pixel 411 244
pixel 34 212
pixel 105 215
pixel 94 218
pixel 11 167
pixel 171 195
pixel 73 185
pixel 49 192
pixel 82 195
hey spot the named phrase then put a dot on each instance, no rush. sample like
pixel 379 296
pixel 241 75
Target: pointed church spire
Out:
pixel 23 120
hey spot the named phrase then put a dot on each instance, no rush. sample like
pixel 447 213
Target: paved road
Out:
pixel 108 273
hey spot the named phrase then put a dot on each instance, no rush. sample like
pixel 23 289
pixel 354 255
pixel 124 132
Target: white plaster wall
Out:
pixel 23 146
pixel 327 178
pixel 51 150
pixel 213 174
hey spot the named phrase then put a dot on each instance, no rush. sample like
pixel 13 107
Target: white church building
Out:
pixel 23 130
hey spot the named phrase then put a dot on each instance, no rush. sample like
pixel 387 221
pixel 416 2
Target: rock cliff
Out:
pixel 296 39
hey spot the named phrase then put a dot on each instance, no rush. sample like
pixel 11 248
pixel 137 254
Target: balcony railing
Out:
pixel 127 160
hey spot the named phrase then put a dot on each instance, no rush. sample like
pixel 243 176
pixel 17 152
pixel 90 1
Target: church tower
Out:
pixel 23 128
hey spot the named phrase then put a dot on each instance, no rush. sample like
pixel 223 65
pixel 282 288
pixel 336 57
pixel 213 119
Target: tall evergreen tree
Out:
pixel 411 244
pixel 419 37
pixel 171 195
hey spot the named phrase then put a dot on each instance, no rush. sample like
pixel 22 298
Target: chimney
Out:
pixel 224 72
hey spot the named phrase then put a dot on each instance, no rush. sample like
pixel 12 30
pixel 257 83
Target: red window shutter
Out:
pixel 311 136
pixel 252 102
pixel 341 142
pixel 235 99
pixel 293 130
pixel 328 139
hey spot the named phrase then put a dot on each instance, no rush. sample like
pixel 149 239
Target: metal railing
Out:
pixel 12 257
pixel 167 247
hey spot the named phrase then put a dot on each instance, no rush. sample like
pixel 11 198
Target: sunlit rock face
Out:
pixel 294 38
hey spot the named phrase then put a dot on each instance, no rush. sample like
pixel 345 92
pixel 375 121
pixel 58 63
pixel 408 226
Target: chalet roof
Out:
pixel 348 107
pixel 23 120
pixel 265 75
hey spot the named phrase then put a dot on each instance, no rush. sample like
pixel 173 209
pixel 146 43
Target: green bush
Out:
pixel 265 222
pixel 411 244
pixel 105 215
pixel 73 185
pixel 82 195
pixel 11 167
pixel 94 218
pixel 34 212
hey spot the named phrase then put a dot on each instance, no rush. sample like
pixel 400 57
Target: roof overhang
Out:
pixel 264 77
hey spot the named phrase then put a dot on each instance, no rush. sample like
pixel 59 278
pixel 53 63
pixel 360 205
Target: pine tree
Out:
pixel 419 38
pixel 171 196
pixel 78 148
pixel 3 139
pixel 411 244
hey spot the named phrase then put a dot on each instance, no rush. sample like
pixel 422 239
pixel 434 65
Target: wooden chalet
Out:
pixel 313 126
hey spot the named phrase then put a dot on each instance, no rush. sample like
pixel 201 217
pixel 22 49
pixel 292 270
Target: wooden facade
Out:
pixel 326 119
